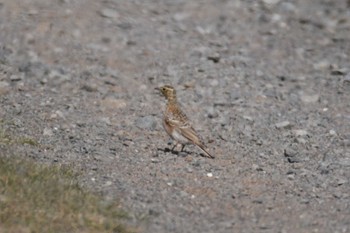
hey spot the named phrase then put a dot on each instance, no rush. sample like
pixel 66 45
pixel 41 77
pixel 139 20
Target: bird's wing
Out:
pixel 191 135
pixel 188 132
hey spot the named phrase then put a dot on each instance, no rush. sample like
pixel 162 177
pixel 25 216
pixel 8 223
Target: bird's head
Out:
pixel 168 92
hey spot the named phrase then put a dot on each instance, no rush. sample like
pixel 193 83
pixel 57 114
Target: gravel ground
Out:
pixel 266 83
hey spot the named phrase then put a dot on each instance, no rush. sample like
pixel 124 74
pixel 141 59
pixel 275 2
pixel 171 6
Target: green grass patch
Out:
pixel 42 198
pixel 7 139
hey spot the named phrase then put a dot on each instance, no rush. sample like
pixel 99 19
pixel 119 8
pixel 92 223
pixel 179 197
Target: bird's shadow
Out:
pixel 183 153
pixel 174 152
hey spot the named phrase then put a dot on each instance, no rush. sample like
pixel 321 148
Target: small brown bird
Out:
pixel 177 124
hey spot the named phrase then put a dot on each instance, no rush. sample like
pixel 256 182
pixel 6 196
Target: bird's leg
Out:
pixel 172 149
pixel 182 148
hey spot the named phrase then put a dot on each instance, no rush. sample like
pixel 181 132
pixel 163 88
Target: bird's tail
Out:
pixel 206 152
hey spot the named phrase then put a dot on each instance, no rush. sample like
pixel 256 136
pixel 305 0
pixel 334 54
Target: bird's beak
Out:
pixel 157 91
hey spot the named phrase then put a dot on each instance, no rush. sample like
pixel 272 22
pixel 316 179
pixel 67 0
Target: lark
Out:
pixel 177 124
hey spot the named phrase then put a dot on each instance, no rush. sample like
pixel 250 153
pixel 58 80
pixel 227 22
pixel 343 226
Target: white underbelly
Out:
pixel 179 138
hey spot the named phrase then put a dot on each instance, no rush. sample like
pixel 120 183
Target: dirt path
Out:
pixel 266 84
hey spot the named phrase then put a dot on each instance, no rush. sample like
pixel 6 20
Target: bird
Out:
pixel 177 124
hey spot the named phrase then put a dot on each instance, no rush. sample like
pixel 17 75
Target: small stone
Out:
pixel 288 7
pixel 212 113
pixel 57 114
pixel 347 78
pixel 301 140
pixel 276 18
pixel 210 174
pixel 204 31
pixel 108 183
pixel 283 124
pixel 248 118
pixel 271 2
pixel 106 120
pixel 15 78
pixel 109 13
pixel 339 71
pixel 214 82
pixel 97 47
pixel 125 26
pixel 289 152
pixel 183 194
pixel 341 181
pixel 4 87
pixel 293 160
pixel 112 103
pixel 43 81
pixel 291 176
pixel 291 155
pixel 310 98
pixel 344 162
pixel 189 170
pixel 47 132
pixel 146 122
pixel 332 132
pixel 153 160
pixel 89 87
pixel 215 57
pixel 60 113
pixel 300 132
pixel 322 65
pixel 180 16
pixel 32 12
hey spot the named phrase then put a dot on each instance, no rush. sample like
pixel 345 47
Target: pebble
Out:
pixel 290 152
pixel 189 170
pixel 288 7
pixel 214 57
pixel 300 132
pixel 90 87
pixel 212 113
pixel 153 160
pixel 47 132
pixel 322 65
pixel 214 82
pixel 344 162
pixel 57 114
pixel 341 181
pixel 248 118
pixel 309 98
pixel 180 16
pixel 204 30
pixel 291 176
pixel 108 183
pixel 347 78
pixel 109 13
pixel 301 140
pixel 112 103
pixel 16 78
pixel 271 2
pixel 332 132
pixel 106 120
pixel 146 122
pixel 283 124
pixel 339 71
pixel 4 87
